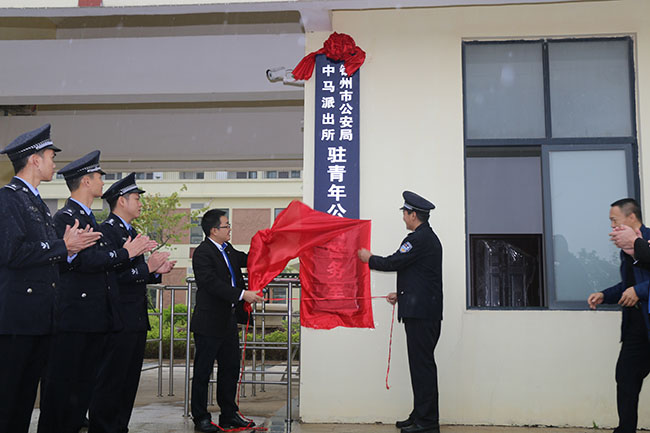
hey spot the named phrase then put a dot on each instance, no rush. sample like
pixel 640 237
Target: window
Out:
pixel 242 175
pixel 295 174
pixel 149 175
pixel 536 114
pixel 190 175
pixel 271 174
pixel 277 211
pixel 113 176
pixel 196 232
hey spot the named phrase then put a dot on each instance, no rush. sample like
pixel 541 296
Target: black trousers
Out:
pixel 23 359
pixel 632 367
pixel 421 339
pixel 114 395
pixel 70 378
pixel 225 350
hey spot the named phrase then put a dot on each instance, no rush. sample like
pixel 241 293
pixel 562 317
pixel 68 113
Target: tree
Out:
pixel 159 219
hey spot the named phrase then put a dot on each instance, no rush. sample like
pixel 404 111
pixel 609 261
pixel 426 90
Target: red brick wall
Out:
pixel 175 278
pixel 246 222
pixel 184 233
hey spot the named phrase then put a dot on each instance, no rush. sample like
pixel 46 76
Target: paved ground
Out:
pixel 153 414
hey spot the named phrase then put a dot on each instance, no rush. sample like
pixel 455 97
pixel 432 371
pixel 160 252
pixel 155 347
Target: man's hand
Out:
pixel 629 298
pixel 156 260
pixel 166 267
pixel 392 298
pixel 251 296
pixel 624 237
pixel 139 245
pixel 595 299
pixel 76 239
pixel 364 255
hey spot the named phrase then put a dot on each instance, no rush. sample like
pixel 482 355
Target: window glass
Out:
pixel 590 89
pixel 583 258
pixel 504 90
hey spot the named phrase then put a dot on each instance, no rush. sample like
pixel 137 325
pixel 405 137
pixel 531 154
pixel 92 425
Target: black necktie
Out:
pixel 92 217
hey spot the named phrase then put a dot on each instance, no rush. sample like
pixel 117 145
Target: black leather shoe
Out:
pixel 235 421
pixel 206 426
pixel 401 424
pixel 417 428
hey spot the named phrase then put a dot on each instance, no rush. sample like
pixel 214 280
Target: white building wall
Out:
pixel 495 367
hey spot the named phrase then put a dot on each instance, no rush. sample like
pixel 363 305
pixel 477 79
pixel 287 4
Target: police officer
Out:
pixel 119 375
pixel 86 304
pixel 418 263
pixel 29 273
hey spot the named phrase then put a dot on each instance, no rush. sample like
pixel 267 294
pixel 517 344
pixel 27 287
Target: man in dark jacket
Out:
pixel 119 375
pixel 29 273
pixel 418 263
pixel 86 304
pixel 632 293
pixel 220 290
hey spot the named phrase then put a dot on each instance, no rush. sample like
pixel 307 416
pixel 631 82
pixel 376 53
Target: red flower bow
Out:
pixel 337 47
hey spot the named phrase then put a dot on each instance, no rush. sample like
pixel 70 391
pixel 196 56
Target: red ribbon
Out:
pixel 337 47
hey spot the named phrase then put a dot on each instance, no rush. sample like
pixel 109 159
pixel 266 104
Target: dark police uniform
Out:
pixel 119 374
pixel 28 276
pixel 418 263
pixel 86 310
pixel 633 363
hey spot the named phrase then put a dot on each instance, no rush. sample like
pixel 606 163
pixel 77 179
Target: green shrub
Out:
pixel 180 334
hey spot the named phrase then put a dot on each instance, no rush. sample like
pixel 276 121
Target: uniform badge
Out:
pixel 112 254
pixel 45 245
pixel 134 271
pixel 406 247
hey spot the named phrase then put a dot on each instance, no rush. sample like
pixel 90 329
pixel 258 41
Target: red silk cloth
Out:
pixel 335 284
pixel 337 47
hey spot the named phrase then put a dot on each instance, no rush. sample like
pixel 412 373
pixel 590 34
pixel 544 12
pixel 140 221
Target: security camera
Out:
pixel 283 74
pixel 276 74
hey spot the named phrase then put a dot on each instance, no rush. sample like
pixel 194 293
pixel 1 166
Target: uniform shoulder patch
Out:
pixel 110 221
pixel 68 211
pixel 12 186
pixel 406 247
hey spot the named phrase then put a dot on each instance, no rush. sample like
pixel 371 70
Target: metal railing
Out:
pixel 257 373
pixel 259 311
pixel 159 295
pixel 262 346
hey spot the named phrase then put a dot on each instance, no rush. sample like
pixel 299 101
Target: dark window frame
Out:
pixel 550 292
pixel 547 144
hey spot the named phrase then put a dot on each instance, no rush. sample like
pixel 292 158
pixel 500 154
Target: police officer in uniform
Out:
pixel 418 263
pixel 119 375
pixel 86 307
pixel 29 273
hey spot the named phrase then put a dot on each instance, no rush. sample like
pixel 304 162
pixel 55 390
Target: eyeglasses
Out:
pixel 227 226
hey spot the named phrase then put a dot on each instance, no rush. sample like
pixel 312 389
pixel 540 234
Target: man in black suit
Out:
pixel 29 273
pixel 119 374
pixel 220 290
pixel 418 263
pixel 86 307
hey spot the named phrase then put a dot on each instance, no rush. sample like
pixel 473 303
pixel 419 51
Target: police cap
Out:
pixel 412 201
pixel 123 186
pixel 29 143
pixel 85 165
